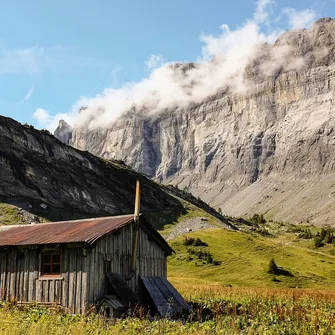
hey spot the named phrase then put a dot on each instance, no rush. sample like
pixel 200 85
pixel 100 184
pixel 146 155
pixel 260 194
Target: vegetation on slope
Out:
pixel 166 221
pixel 23 210
pixel 242 259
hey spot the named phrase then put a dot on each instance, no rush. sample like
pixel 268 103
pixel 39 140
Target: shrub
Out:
pixel 329 238
pixel 323 234
pixel 305 234
pixel 318 242
pixel 199 243
pixel 205 256
pixel 258 219
pixel 209 258
pixel 194 241
pixel 188 241
pixel 263 232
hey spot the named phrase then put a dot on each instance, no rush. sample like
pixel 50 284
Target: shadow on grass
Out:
pixel 283 272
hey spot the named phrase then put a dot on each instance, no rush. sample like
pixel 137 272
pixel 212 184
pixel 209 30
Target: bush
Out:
pixel 188 241
pixel 194 241
pixel 318 242
pixel 263 232
pixel 273 268
pixel 205 256
pixel 329 237
pixel 325 236
pixel 257 218
pixel 199 243
pixel 209 258
pixel 305 234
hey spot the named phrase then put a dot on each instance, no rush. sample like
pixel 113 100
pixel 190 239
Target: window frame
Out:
pixel 52 263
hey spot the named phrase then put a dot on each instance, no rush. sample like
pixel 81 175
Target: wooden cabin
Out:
pixel 109 261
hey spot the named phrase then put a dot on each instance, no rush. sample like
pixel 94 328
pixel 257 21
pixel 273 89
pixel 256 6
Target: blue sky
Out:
pixel 54 52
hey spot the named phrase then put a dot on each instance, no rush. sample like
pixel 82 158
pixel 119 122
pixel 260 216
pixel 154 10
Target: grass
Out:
pixel 244 260
pixel 165 222
pixel 23 210
pixel 216 311
pixel 9 214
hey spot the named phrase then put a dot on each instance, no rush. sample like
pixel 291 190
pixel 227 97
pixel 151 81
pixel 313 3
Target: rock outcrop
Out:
pixel 269 149
pixel 64 132
pixel 56 181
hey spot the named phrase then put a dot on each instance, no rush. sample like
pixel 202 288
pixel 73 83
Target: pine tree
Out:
pixel 273 268
pixel 318 241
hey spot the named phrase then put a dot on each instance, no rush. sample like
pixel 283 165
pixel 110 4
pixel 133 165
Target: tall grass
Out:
pixel 218 310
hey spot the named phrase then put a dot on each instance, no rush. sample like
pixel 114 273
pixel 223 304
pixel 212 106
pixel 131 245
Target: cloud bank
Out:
pixel 222 63
pixel 50 122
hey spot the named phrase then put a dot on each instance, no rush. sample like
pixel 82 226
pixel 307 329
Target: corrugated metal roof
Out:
pixel 88 230
pixel 113 301
pixel 165 297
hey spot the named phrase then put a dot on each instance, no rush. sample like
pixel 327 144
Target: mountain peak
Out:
pixel 64 132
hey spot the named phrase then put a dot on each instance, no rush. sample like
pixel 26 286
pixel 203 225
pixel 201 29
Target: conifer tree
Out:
pixel 273 268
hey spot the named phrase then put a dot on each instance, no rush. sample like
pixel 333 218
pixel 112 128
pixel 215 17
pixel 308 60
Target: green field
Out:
pixel 243 260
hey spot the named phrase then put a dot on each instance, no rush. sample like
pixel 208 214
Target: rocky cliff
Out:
pixel 269 149
pixel 44 176
pixel 64 132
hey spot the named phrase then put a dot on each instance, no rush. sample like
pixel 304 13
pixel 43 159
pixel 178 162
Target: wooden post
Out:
pixel 136 228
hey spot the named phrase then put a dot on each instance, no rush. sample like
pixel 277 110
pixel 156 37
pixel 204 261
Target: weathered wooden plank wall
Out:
pixel 113 254
pixel 20 279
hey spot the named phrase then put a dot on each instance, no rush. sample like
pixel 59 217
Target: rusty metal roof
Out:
pixel 88 231
pixel 85 230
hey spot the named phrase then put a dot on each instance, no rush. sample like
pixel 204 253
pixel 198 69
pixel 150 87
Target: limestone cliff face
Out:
pixel 270 149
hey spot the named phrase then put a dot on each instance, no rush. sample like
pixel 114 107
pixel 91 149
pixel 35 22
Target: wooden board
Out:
pixel 176 295
pixel 122 289
pixel 165 297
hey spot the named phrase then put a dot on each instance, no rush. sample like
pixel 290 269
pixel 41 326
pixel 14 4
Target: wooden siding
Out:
pixel 113 254
pixel 20 278
pixel 83 279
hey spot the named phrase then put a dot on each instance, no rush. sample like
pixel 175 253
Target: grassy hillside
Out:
pixel 242 259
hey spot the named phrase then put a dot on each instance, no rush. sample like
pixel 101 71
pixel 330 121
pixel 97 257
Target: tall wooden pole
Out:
pixel 136 227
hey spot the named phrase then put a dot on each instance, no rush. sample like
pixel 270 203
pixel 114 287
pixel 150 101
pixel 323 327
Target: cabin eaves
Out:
pixel 87 231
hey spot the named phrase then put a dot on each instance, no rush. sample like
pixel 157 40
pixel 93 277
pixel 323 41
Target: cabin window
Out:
pixel 51 263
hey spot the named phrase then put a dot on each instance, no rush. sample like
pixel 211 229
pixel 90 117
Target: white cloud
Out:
pixel 222 64
pixel 300 19
pixel 261 14
pixel 50 122
pixel 154 61
pixel 29 93
pixel 41 115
